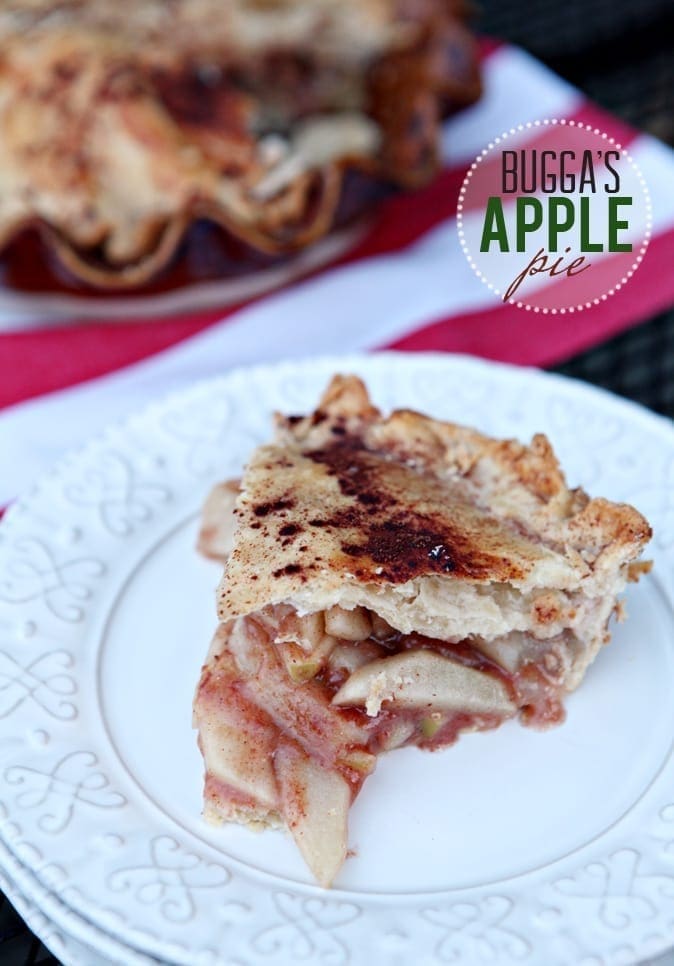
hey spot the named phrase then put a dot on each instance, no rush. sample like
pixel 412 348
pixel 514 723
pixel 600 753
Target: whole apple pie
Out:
pixel 122 122
pixel 391 581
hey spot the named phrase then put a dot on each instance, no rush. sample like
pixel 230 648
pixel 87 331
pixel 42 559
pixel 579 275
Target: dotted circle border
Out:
pixel 550 122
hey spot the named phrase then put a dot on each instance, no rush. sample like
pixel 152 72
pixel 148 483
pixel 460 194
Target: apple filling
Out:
pixel 391 581
pixel 293 710
pixel 363 662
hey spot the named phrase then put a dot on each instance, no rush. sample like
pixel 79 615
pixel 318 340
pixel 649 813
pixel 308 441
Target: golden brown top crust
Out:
pixel 156 31
pixel 347 496
pixel 123 122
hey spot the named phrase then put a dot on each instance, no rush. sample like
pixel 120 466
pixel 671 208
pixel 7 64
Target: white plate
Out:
pixel 63 932
pixel 67 950
pixel 513 847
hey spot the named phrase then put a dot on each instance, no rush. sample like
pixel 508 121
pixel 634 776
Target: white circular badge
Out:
pixel 557 222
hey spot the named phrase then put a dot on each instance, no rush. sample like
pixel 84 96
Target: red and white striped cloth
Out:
pixel 406 285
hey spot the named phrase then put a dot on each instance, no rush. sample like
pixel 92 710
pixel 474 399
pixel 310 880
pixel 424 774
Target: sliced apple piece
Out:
pixel 301 666
pixel 315 803
pixel 431 724
pixel 359 760
pixel 237 740
pixel 381 629
pixel 218 522
pixel 306 631
pixel 304 712
pixel 241 761
pixel 349 657
pixel 396 734
pixel 425 680
pixel 349 625
pixel 508 650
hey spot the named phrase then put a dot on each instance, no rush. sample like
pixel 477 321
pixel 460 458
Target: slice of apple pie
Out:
pixel 391 581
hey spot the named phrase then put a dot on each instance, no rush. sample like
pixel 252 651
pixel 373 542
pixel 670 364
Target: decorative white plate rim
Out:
pixel 65 944
pixel 67 950
pixel 476 917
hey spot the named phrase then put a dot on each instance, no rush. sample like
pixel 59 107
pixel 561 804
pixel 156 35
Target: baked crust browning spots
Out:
pixel 637 569
pixel 264 509
pixel 547 608
pixel 290 569
pixel 404 547
pixel 288 532
pixel 398 499
pixel 401 542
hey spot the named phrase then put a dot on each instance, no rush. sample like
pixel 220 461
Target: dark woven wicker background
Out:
pixel 18 947
pixel 621 53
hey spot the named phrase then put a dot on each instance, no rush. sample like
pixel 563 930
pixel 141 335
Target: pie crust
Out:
pixel 391 581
